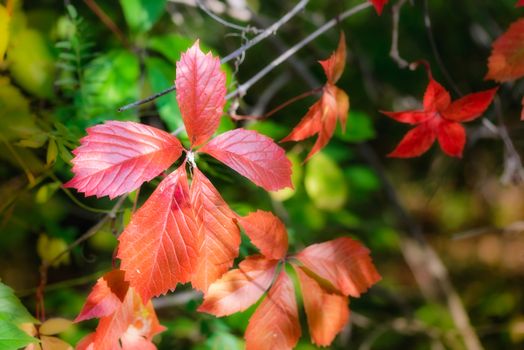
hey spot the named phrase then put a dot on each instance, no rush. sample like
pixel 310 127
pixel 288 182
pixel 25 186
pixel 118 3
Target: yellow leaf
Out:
pixel 4 31
pixel 55 326
pixel 49 248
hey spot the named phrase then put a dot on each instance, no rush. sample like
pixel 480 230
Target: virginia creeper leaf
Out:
pixel 158 248
pixel 274 325
pixel 218 234
pixel 507 56
pixel 240 288
pixel 343 262
pixel 267 233
pixel 322 116
pixel 118 157
pixel 327 313
pixel 107 295
pixel 440 119
pixel 201 91
pixel 379 5
pixel 254 156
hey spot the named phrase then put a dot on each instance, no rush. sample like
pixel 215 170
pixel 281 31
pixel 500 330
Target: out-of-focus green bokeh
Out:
pixel 68 67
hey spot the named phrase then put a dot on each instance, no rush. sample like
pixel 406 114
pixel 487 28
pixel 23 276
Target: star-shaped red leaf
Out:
pixel 440 120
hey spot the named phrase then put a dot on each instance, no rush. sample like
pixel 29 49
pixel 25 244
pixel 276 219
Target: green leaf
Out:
pixel 11 308
pixel 12 337
pixel 161 76
pixel 171 46
pixel 359 128
pixel 223 340
pixel 141 15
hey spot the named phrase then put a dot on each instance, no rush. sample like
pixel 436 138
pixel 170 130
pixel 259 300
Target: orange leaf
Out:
pixel 267 233
pixel 107 295
pixel 327 313
pixel 507 56
pixel 334 65
pixel 240 288
pixel 158 249
pixel 274 325
pixel 218 235
pixel 118 157
pixel 201 91
pixel 343 262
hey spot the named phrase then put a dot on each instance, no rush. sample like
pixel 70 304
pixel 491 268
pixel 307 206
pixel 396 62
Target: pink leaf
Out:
pixel 218 234
pixel 118 157
pixel 343 262
pixel 274 325
pixel 254 156
pixel 201 91
pixel 240 288
pixel 267 233
pixel 158 248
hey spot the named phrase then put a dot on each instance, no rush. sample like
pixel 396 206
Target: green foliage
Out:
pixel 12 314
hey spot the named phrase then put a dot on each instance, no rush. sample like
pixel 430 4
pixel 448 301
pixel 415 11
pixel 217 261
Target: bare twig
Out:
pixel 108 22
pixel 266 33
pixel 242 89
pixel 393 52
pixel 248 29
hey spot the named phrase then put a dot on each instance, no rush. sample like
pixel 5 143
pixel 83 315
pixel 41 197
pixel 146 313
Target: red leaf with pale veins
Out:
pixel 507 56
pixel 240 288
pixel 107 295
pixel 327 313
pixel 452 138
pixel 343 262
pixel 254 156
pixel 201 91
pixel 274 325
pixel 416 142
pixel 334 65
pixel 158 248
pixel 218 234
pixel 470 106
pixel 379 5
pixel 118 157
pixel 267 233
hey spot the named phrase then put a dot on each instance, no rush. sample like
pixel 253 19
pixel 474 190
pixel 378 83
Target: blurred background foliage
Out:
pixel 72 64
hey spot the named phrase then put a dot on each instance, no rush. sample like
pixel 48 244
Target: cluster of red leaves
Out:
pixel 321 119
pixel 328 272
pixel 439 120
pixel 506 62
pixel 126 323
pixel 182 233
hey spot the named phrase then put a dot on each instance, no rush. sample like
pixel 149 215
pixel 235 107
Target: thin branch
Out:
pixel 263 35
pixel 108 22
pixel 248 29
pixel 393 52
pixel 242 89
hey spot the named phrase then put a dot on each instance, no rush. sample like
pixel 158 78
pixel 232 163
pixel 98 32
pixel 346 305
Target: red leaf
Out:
pixel 201 91
pixel 439 119
pixel 520 3
pixel 506 61
pixel 254 156
pixel 118 157
pixel 327 313
pixel 416 142
pixel 218 234
pixel 107 295
pixel 158 248
pixel 267 233
pixel 470 106
pixel 379 5
pixel 274 325
pixel 452 138
pixel 342 106
pixel 343 262
pixel 334 65
pixel 240 288
pixel 436 98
